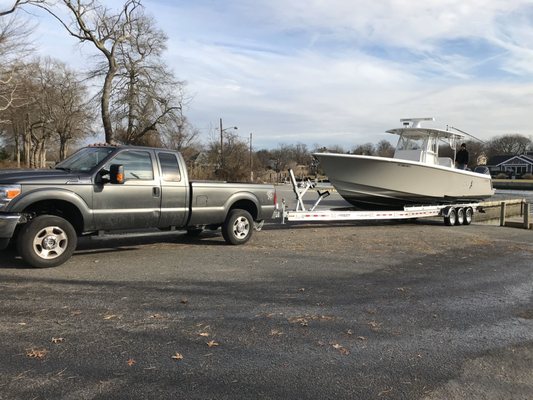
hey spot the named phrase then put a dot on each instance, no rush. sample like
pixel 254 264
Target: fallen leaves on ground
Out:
pixel 276 332
pixel 57 340
pixel 203 334
pixel 37 353
pixel 374 325
pixel 131 362
pixel 177 356
pixel 384 392
pixel 212 343
pixel 110 316
pixel 343 350
pixel 303 320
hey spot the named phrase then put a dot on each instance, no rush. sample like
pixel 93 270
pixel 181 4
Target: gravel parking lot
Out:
pixel 309 311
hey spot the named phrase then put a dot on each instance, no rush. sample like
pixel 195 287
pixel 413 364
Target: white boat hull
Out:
pixel 377 182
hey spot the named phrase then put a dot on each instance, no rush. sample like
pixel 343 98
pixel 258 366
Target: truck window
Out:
pixel 169 167
pixel 137 164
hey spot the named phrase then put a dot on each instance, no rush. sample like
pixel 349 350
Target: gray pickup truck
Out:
pixel 106 188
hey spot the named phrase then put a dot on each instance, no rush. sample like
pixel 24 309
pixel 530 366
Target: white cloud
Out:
pixel 343 71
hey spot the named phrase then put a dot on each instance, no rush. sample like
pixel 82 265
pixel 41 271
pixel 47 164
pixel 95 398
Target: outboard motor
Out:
pixel 482 169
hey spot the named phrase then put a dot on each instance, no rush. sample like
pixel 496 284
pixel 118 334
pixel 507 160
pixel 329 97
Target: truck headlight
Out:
pixel 8 193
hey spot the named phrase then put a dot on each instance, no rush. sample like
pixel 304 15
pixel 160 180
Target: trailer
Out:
pixel 452 214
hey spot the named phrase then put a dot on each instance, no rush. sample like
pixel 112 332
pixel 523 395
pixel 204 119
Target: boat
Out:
pixel 415 175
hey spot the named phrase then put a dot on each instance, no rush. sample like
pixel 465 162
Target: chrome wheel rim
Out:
pixel 241 227
pixel 50 242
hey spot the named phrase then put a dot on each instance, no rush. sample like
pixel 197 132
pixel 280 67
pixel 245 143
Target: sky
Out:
pixel 340 72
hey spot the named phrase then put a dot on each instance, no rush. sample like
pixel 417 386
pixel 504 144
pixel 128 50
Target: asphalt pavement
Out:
pixel 303 311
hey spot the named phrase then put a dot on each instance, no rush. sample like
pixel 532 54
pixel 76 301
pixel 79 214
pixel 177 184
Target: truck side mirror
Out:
pixel 116 174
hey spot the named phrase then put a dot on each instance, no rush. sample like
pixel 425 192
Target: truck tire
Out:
pixel 46 241
pixel 238 227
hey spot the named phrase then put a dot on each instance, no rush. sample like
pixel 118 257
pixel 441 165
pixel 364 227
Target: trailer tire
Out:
pixel 238 227
pixel 460 216
pixel 469 212
pixel 46 241
pixel 451 218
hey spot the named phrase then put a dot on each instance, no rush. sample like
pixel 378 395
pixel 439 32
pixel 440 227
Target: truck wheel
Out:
pixel 46 241
pixel 238 227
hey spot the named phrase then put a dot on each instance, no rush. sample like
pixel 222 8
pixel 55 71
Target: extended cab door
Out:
pixel 134 204
pixel 174 191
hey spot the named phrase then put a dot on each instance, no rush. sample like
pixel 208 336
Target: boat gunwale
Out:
pixel 402 161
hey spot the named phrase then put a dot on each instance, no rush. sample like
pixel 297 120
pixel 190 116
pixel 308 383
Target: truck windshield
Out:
pixel 85 159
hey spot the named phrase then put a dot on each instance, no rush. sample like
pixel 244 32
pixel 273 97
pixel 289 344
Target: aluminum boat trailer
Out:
pixel 452 214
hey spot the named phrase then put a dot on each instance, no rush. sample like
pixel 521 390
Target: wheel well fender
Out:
pixel 60 208
pixel 247 205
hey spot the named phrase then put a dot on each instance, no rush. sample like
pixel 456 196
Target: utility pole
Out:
pixel 221 146
pixel 222 143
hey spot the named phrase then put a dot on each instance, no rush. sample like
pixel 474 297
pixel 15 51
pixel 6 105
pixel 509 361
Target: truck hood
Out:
pixel 40 176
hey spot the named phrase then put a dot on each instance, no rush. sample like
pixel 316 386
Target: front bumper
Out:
pixel 8 223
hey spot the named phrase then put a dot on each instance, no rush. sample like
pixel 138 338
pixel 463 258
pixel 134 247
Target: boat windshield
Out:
pixel 85 159
pixel 409 143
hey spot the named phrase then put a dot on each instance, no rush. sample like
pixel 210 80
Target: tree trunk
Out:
pixel 42 154
pixel 27 147
pixel 106 94
pixel 63 148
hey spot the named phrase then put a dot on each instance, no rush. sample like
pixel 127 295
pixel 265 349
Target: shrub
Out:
pixel 501 175
pixel 527 176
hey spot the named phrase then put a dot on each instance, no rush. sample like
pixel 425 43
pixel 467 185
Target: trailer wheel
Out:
pixel 460 216
pixel 469 212
pixel 451 218
pixel 46 241
pixel 238 227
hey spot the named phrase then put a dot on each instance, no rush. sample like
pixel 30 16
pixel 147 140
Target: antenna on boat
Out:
pixel 467 134
pixel 415 122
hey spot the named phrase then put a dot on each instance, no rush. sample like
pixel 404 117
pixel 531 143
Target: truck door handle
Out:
pixel 156 191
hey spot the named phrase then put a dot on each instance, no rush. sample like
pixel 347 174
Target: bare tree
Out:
pixel 91 22
pixel 331 149
pixel 53 110
pixel 69 112
pixel 16 4
pixel 367 149
pixel 14 47
pixel 513 144
pixel 384 149
pixel 146 95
